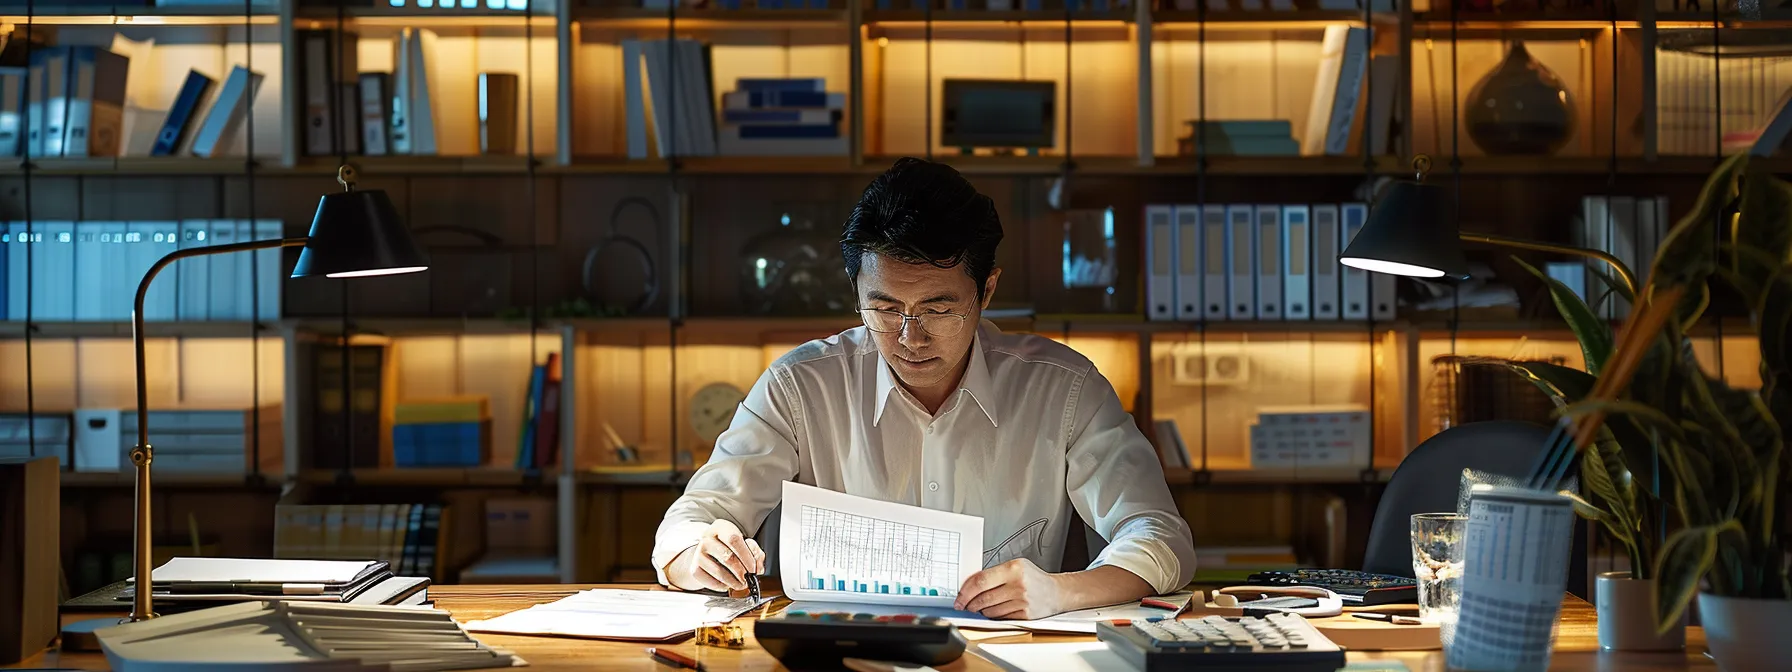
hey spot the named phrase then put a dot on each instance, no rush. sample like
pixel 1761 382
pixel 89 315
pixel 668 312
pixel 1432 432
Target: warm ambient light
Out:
pixel 1390 267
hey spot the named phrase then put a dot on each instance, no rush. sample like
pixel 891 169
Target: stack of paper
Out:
pixel 600 613
pixel 239 579
pixel 299 636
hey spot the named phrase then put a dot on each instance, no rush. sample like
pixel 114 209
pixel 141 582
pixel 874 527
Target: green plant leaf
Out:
pixel 1773 324
pixel 1612 490
pixel 1616 286
pixel 1594 335
pixel 1684 559
pixel 1563 384
pixel 1762 238
pixel 1688 253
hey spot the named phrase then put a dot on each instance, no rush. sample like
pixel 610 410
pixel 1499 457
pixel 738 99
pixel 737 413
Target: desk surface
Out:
pixel 1577 646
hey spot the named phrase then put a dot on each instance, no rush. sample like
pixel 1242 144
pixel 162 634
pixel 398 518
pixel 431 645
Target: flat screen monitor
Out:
pixel 998 113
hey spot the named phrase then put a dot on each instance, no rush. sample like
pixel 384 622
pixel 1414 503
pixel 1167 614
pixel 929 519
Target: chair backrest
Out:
pixel 1428 481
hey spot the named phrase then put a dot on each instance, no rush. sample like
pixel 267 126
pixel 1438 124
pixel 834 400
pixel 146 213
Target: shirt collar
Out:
pixel 976 382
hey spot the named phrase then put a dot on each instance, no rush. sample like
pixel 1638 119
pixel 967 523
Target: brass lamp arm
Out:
pixel 142 454
pixel 1618 267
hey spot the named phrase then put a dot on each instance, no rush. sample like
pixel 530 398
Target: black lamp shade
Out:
pixel 1410 232
pixel 358 233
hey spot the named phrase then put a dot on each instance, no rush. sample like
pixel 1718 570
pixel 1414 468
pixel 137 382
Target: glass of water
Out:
pixel 1437 564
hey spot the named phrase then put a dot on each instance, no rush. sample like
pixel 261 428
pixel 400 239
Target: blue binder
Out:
pixel 180 116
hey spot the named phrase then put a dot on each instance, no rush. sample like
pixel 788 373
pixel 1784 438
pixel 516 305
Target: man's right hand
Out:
pixel 720 561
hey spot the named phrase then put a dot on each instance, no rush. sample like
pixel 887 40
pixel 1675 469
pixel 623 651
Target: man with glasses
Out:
pixel 929 405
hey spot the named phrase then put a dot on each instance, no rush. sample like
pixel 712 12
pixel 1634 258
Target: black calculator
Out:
pixel 1278 642
pixel 1356 589
pixel 805 640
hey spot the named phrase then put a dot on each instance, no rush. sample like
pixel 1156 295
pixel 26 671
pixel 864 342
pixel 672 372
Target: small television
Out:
pixel 998 113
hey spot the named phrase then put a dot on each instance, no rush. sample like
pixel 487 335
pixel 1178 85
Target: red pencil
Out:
pixel 674 659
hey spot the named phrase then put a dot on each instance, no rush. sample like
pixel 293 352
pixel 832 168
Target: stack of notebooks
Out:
pixel 299 636
pixel 195 583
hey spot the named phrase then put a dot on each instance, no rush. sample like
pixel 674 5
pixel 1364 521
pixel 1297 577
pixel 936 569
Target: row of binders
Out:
pixel 89 271
pixel 1259 262
pixel 382 113
pixel 69 101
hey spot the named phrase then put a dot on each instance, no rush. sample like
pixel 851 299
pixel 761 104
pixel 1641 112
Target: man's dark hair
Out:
pixel 921 212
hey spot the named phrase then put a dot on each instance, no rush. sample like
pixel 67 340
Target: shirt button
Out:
pixel 930 429
pixel 933 486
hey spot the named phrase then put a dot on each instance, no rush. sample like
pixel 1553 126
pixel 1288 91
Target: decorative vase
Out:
pixel 794 269
pixel 1746 634
pixel 1626 609
pixel 1520 108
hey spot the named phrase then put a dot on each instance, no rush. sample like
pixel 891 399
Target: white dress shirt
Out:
pixel 1034 438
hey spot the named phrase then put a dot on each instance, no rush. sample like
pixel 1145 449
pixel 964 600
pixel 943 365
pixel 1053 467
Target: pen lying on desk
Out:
pixel 674 659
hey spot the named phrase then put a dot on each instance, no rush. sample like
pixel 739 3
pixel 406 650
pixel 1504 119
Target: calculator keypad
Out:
pixel 1278 631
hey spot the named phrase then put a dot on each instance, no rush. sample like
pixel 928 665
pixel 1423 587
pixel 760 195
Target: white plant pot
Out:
pixel 1746 635
pixel 1626 609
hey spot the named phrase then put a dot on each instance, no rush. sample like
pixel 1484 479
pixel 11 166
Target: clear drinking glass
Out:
pixel 1437 564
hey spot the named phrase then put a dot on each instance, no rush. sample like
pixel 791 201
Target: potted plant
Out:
pixel 1628 512
pixel 1720 448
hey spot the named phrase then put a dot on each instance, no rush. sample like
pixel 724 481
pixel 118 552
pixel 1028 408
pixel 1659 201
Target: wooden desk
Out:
pixel 1577 646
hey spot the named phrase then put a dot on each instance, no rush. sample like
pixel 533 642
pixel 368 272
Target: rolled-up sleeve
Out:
pixel 742 481
pixel 1116 483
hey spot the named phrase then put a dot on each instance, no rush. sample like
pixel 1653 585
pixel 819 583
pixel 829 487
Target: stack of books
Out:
pixel 782 117
pixel 1266 137
pixel 447 432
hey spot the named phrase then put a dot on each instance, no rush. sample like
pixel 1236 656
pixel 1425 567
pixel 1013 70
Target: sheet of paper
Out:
pixel 1058 657
pixel 255 570
pixel 601 613
pixel 841 548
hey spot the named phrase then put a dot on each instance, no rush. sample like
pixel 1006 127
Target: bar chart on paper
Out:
pixel 859 554
pixel 841 548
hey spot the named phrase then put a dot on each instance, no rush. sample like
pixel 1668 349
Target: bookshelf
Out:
pixel 1132 81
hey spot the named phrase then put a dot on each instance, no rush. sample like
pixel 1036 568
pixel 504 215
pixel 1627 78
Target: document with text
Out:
pixel 836 547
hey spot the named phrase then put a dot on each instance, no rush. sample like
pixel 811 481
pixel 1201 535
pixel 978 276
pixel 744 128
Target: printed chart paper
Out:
pixel 839 548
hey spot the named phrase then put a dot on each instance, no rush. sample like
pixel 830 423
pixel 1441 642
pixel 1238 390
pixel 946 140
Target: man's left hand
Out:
pixel 1015 589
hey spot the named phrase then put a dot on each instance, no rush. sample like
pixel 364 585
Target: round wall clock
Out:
pixel 712 408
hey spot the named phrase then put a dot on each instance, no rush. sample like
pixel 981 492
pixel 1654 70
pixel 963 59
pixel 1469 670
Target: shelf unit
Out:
pixel 1148 95
pixel 572 190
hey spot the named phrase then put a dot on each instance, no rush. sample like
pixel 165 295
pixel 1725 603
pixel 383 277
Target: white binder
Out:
pixel 54 266
pixel 1382 296
pixel 102 262
pixel 98 441
pixel 1160 247
pixel 1269 262
pixel 1297 263
pixel 1215 292
pixel 223 302
pixel 15 245
pixel 148 243
pixel 272 268
pixel 1188 263
pixel 194 273
pixel 1355 304
pixel 1240 267
pixel 1326 287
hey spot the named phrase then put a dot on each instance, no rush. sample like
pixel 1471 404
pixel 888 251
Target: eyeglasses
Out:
pixel 889 321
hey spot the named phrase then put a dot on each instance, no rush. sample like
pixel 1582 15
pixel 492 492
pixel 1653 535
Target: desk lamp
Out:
pixel 1411 232
pixel 353 234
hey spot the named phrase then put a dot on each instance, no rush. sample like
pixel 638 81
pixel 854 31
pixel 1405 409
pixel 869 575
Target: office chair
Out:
pixel 1428 480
